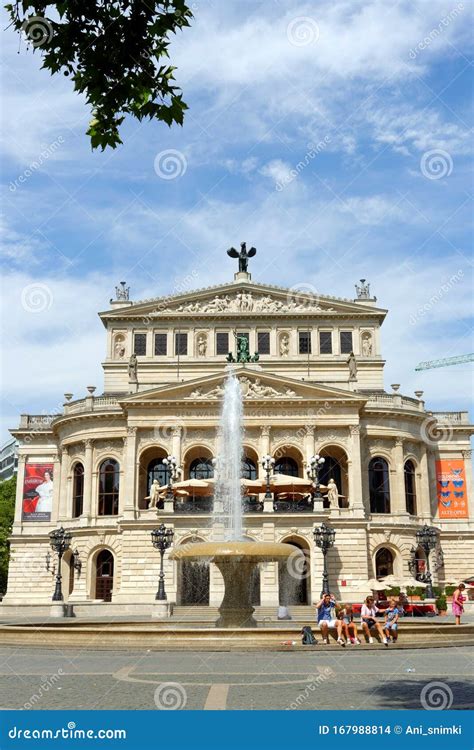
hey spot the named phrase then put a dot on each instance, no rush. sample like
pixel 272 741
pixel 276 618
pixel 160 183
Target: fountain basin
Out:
pixel 237 562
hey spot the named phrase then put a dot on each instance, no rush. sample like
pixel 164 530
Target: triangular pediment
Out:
pixel 242 299
pixel 256 386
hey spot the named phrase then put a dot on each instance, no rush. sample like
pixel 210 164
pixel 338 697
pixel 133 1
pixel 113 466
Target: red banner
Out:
pixel 38 492
pixel 451 488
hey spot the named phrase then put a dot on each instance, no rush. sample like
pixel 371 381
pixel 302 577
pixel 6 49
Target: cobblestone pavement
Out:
pixel 44 679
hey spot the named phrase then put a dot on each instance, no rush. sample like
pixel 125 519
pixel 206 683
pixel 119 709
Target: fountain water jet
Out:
pixel 236 558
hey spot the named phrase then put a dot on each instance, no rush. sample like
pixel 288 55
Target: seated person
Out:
pixel 368 614
pixel 391 622
pixel 326 609
pixel 349 627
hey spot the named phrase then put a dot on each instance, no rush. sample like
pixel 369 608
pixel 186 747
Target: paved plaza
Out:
pixel 44 679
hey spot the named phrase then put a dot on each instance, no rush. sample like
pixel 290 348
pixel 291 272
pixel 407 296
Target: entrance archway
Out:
pixel 294 578
pixel 104 575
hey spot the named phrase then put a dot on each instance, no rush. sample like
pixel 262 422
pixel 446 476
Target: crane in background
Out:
pixel 447 362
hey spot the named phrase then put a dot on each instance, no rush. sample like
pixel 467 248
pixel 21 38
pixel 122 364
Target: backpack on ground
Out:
pixel 308 638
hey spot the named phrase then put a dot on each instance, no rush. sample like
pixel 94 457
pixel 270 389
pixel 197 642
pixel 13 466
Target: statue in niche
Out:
pixel 333 494
pixel 284 345
pixel 154 495
pixel 366 346
pixel 352 366
pixel 119 348
pixel 202 345
pixel 132 369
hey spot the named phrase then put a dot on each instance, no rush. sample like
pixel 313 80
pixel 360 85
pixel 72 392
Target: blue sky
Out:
pixel 369 103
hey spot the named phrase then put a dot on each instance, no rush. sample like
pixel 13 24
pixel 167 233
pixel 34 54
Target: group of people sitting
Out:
pixel 341 617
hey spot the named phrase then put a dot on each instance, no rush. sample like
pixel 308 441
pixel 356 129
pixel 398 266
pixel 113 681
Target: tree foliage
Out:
pixel 7 512
pixel 115 52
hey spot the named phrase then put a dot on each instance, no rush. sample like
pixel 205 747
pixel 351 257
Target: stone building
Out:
pixel 317 388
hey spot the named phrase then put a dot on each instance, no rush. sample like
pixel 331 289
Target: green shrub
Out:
pixel 437 590
pixel 393 591
pixel 414 591
pixel 441 603
pixel 449 590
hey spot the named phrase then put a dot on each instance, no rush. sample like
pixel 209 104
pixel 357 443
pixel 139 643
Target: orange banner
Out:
pixel 451 488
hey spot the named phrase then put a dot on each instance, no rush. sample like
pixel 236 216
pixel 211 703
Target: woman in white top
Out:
pixel 368 615
pixel 45 492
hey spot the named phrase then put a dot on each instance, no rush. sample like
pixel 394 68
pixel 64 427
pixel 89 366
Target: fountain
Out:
pixel 236 558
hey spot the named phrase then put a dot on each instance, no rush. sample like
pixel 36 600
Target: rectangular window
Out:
pixel 139 344
pixel 263 342
pixel 325 342
pixel 181 343
pixel 304 342
pixel 346 342
pixel 222 342
pixel 161 344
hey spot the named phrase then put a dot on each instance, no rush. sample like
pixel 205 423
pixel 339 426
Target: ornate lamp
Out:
pixel 315 464
pixel 324 538
pixel 162 539
pixel 60 541
pixel 268 463
pixel 427 539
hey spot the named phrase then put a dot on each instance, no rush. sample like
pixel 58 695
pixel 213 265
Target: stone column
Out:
pixel 354 472
pixel 423 500
pixel 128 501
pixel 19 494
pixel 467 456
pixel 264 447
pixel 432 483
pixel 309 448
pixel 397 480
pixel 63 507
pixel 269 590
pixel 87 499
pixel 176 443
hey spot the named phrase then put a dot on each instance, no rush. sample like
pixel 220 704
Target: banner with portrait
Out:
pixel 451 488
pixel 37 492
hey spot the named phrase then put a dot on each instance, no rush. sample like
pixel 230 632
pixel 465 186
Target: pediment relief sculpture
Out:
pixel 250 389
pixel 247 302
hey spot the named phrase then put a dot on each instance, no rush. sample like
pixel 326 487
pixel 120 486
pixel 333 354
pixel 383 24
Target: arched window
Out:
pixel 201 468
pixel 156 469
pixel 410 488
pixel 383 563
pixel 104 579
pixel 249 470
pixel 77 490
pixel 379 486
pixel 109 481
pixel 286 465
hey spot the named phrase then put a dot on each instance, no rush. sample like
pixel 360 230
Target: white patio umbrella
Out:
pixel 374 585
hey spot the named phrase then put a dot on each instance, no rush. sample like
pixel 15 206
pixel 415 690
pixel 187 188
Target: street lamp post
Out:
pixel 314 466
pixel 162 539
pixel 427 538
pixel 60 541
pixel 324 538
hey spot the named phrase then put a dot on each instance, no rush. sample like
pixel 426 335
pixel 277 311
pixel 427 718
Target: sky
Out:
pixel 336 137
